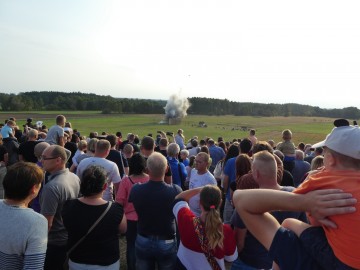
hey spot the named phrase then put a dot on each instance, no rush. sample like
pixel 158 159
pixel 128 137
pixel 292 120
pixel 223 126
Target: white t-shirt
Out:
pixel 197 180
pixel 110 167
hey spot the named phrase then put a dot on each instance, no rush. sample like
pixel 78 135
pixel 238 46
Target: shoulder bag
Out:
pixel 66 263
pixel 199 229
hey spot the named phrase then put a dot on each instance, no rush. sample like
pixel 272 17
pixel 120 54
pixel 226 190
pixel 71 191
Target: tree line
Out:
pixel 48 100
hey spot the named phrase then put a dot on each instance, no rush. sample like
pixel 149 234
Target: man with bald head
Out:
pixel 62 185
pixel 102 150
pixel 153 201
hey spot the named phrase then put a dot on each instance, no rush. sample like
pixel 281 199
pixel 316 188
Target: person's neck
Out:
pixel 93 199
pixel 202 172
pixel 16 203
pixel 273 185
pixel 203 216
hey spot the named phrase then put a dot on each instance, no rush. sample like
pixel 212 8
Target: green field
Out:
pixel 305 129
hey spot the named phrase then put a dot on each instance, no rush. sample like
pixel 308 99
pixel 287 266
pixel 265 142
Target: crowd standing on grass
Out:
pixel 196 203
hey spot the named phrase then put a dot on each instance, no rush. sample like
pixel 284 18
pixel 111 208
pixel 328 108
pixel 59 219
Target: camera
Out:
pixel 169 133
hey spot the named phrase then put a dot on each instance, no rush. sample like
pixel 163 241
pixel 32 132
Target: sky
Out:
pixel 304 52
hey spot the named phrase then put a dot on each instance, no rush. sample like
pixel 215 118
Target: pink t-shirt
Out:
pixel 123 193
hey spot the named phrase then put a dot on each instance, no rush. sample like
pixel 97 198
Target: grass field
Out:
pixel 305 129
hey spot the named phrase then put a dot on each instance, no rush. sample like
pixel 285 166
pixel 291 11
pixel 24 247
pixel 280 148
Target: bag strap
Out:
pixel 199 229
pixel 91 228
pixel 122 162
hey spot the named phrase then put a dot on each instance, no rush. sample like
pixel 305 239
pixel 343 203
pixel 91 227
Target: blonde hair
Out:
pixel 287 134
pixel 210 199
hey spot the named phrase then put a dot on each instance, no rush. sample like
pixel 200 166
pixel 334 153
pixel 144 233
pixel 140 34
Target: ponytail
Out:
pixel 214 229
pixel 210 199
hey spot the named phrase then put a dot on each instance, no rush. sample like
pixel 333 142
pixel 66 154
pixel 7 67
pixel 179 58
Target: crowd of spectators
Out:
pixel 77 194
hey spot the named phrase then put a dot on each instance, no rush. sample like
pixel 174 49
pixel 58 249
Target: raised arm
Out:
pixel 252 206
pixel 186 195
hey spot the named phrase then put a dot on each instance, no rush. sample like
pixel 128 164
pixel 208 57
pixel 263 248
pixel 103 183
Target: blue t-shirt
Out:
pixel 177 168
pixel 230 171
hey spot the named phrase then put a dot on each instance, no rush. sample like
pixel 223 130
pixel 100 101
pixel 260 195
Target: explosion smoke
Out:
pixel 176 107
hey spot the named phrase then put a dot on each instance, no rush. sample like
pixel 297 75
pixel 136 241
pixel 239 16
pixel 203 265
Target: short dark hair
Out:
pixel 20 179
pixel 147 143
pixel 92 181
pixel 245 146
pixel 112 139
pixel 137 164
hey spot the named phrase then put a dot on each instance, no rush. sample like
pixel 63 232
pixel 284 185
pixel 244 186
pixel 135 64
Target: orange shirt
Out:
pixel 345 240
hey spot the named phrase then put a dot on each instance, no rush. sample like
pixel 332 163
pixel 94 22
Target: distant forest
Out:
pixel 47 101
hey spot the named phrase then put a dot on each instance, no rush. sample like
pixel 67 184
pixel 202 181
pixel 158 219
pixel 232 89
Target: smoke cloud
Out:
pixel 176 107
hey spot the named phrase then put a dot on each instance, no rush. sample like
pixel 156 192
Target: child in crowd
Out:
pixel 287 147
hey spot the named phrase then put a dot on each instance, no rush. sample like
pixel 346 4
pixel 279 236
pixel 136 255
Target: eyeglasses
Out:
pixel 47 158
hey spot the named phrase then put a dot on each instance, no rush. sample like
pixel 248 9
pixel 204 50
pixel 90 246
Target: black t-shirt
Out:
pixel 101 246
pixel 3 151
pixel 72 147
pixel 26 149
pixel 116 157
pixel 153 203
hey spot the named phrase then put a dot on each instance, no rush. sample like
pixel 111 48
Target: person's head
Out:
pixel 131 137
pixel 74 138
pixel 11 123
pixel 156 166
pixel 279 154
pixel 220 139
pixel 102 148
pixel 272 143
pixel 317 162
pixel 210 142
pixel 118 134
pixel 194 143
pixel 93 181
pixel 210 200
pixel 299 155
pixel 202 142
pixel 147 144
pixel 261 146
pixel 173 150
pixel 252 132
pixel 180 131
pixel 32 134
pixel 91 146
pixel 184 154
pixel 243 165
pixel 23 179
pixel 112 140
pixel 264 168
pixel 301 146
pixel 223 146
pixel 82 145
pixel 163 143
pixel 128 150
pixel 39 149
pixel 68 125
pixel 137 164
pixel 232 152
pixel 202 162
pixel 204 149
pixel 287 135
pixel 318 151
pixel 54 158
pixel 60 120
pixel 245 146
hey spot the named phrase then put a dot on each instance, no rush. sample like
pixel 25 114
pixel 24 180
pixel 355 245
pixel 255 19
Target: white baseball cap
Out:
pixel 344 140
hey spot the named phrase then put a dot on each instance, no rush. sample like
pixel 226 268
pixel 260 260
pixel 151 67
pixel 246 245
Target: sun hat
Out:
pixel 344 139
